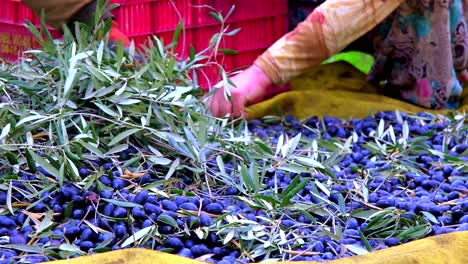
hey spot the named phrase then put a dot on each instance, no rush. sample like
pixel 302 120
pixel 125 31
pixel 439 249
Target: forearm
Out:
pixel 328 30
pixel 59 12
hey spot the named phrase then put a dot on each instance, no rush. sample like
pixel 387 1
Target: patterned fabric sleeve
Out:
pixel 326 31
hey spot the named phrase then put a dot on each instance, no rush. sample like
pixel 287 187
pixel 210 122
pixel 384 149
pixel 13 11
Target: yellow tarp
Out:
pixel 337 90
pixel 449 248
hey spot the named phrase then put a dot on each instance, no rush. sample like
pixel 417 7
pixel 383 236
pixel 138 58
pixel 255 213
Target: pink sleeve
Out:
pixel 328 30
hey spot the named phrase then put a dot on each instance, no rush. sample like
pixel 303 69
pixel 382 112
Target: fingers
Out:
pixel 218 104
pixel 237 106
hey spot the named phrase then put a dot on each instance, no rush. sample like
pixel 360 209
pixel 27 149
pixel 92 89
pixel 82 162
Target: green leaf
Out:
pixel 167 219
pixel 380 128
pixel 160 161
pixel 322 187
pixel 121 203
pixel 61 176
pixel 365 193
pixel 106 109
pixel 192 53
pixel 415 232
pixel 25 248
pixel 309 162
pixel 291 186
pixel 219 161
pixel 247 178
pixel 128 101
pixel 233 32
pixel 117 149
pixel 69 247
pixel 29 119
pixel 273 201
pixel 33 29
pixel 357 249
pixel 216 16
pixel 123 135
pixel 62 131
pixel 105 243
pixel 69 81
pixel 328 172
pixel 8 198
pixel 100 53
pixel 229 51
pixel 30 161
pixel 431 217
pixel 172 169
pixel 176 36
pixel 365 242
pixel 368 214
pixel 12 159
pixel 121 90
pixel 292 145
pixel 361 61
pixel 92 148
pixel 231 11
pixel 228 237
pixel 103 249
pixel 74 170
pixel 405 131
pixel 330 234
pixel 67 212
pixel 5 131
pixel 296 168
pixel 46 222
pixel 44 164
pixel 264 147
pixel 328 145
pixel 296 189
pixel 377 219
pixel 137 236
pixel 341 203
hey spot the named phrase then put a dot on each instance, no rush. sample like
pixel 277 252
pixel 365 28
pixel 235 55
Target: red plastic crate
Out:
pixel 14 39
pixel 262 22
pixel 146 17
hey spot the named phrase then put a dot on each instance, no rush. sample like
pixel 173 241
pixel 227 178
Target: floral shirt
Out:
pixel 419 45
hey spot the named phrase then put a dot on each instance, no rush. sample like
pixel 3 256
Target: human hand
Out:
pixel 251 85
